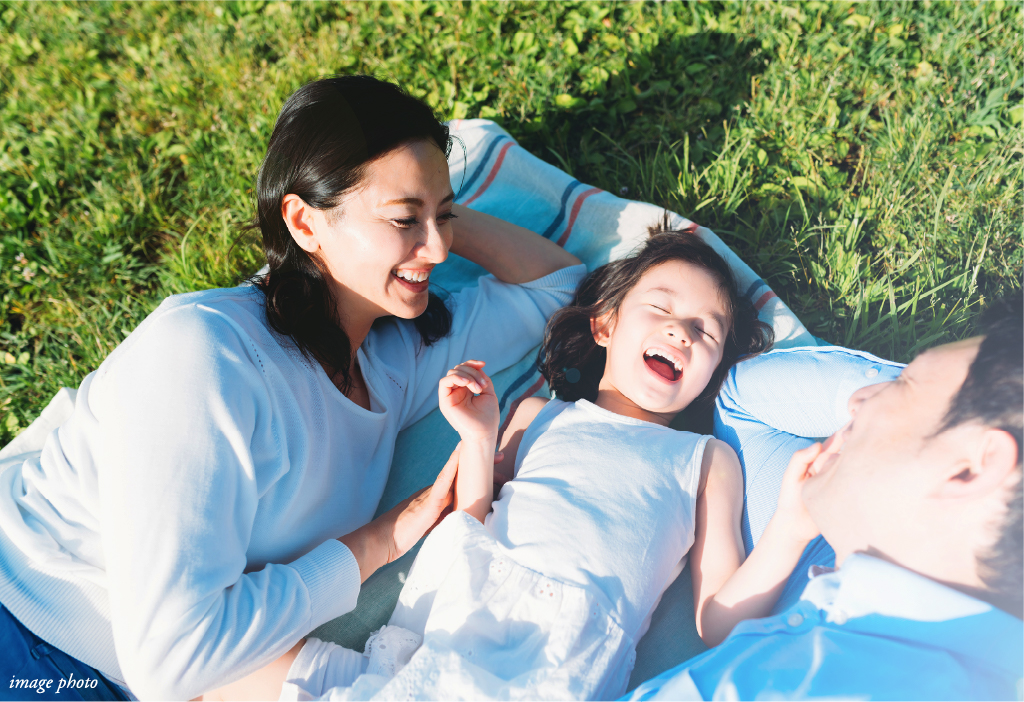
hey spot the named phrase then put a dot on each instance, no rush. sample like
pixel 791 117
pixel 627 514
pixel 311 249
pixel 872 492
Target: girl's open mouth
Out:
pixel 664 368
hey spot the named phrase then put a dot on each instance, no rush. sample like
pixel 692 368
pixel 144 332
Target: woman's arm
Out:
pixel 177 504
pixel 390 535
pixel 726 588
pixel 510 252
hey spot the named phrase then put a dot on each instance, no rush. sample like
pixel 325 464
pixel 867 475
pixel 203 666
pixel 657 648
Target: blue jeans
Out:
pixel 777 403
pixel 31 669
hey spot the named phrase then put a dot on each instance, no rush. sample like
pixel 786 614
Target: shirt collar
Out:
pixel 867 585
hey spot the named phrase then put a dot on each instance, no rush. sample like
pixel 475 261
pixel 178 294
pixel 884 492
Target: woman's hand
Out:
pixel 390 535
pixel 468 401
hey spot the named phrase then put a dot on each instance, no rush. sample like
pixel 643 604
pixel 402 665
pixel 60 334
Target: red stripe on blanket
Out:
pixel 515 405
pixel 490 176
pixel 575 211
pixel 763 300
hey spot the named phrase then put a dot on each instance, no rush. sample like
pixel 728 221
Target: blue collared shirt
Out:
pixel 869 630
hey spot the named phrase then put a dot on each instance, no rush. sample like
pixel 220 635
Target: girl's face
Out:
pixel 664 343
pixel 383 239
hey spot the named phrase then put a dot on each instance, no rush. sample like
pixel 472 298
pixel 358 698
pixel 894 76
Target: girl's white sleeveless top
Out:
pixel 602 501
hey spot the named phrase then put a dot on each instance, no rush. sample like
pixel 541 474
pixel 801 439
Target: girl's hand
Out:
pixel 791 516
pixel 469 403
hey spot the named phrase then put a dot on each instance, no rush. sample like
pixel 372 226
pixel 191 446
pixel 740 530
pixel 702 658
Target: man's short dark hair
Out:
pixel 993 395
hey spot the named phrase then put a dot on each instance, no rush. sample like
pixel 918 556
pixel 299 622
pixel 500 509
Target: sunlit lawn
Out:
pixel 864 158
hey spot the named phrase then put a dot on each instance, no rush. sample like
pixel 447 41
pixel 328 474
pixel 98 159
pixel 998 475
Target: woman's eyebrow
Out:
pixel 414 201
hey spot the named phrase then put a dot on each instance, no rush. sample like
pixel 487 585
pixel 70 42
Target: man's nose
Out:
pixel 865 393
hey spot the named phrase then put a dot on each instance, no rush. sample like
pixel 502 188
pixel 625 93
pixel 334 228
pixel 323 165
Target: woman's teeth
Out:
pixel 413 276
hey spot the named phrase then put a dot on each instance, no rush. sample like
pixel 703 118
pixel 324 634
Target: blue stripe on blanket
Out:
pixel 561 213
pixel 468 185
pixel 516 384
pixel 753 287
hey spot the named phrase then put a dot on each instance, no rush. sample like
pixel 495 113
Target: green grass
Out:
pixel 864 158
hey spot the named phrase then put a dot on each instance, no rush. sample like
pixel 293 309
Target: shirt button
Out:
pixel 795 619
pixel 871 372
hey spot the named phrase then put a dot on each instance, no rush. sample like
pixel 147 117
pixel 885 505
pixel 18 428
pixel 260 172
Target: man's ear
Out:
pixel 601 328
pixel 987 466
pixel 299 218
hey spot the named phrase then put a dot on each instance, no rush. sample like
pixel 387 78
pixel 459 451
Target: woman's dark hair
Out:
pixel 326 135
pixel 573 363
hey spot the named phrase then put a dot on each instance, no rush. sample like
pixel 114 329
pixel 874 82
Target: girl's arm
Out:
pixel 510 252
pixel 467 400
pixel 726 588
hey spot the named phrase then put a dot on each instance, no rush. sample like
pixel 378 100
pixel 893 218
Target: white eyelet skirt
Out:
pixel 493 629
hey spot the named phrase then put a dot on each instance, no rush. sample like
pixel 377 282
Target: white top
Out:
pixel 602 501
pixel 180 529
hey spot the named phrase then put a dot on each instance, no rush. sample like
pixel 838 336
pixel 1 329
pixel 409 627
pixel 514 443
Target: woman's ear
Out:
pixel 300 220
pixel 601 328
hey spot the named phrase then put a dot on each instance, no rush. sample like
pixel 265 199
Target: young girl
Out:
pixel 545 592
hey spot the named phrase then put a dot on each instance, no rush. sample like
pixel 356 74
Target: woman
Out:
pixel 210 499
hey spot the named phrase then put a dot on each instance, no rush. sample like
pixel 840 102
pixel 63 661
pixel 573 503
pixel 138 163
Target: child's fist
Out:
pixel 791 510
pixel 467 399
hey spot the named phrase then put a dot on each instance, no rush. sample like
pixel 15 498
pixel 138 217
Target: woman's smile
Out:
pixel 414 280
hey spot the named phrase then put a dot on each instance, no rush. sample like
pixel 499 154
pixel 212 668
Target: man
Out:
pixel 919 495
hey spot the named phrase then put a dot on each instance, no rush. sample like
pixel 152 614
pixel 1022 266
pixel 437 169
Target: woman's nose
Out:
pixel 436 245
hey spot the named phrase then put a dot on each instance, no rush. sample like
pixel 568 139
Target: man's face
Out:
pixel 868 489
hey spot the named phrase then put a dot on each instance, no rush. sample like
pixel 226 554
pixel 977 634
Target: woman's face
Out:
pixel 382 240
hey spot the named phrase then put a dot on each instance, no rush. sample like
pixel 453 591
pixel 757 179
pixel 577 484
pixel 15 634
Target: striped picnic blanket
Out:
pixel 494 174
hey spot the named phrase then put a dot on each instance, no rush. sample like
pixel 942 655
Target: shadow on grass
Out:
pixel 685 86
